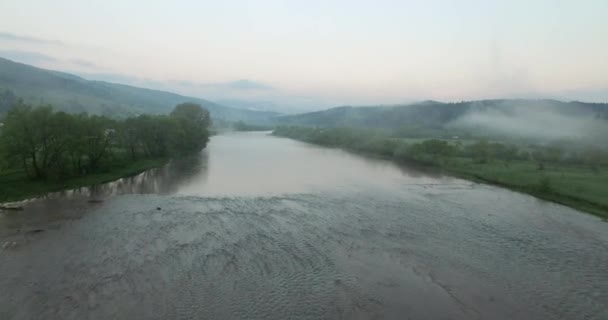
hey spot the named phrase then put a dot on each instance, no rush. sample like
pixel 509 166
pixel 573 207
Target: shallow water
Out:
pixel 259 227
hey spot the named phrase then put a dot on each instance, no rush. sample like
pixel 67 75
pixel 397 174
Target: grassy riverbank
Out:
pixel 573 186
pixel 15 185
pixel 583 187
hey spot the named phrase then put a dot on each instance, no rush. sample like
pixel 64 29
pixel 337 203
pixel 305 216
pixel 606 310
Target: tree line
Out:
pixel 436 151
pixel 48 144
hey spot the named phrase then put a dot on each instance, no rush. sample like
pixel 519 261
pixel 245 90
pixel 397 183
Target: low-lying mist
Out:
pixel 538 122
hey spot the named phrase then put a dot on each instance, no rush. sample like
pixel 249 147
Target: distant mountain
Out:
pixel 540 120
pixel 71 93
pixel 258 105
pixel 433 113
pixel 266 105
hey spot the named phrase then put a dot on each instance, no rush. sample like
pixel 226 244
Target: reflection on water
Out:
pixel 257 164
pixel 162 180
pixel 73 203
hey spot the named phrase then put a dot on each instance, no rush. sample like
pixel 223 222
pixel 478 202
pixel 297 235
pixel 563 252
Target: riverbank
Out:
pixel 15 185
pixel 575 186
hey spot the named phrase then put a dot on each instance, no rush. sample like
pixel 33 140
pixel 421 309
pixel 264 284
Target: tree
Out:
pixel 129 137
pixel 98 133
pixel 47 144
pixel 76 143
pixel 480 151
pixel 192 112
pixel 192 127
pixel 36 137
pixel 155 134
pixel 434 148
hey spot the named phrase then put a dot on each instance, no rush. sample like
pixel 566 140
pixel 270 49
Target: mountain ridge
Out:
pixel 72 93
pixel 433 113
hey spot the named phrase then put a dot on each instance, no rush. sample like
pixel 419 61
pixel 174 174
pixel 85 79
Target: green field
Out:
pixel 15 185
pixel 574 186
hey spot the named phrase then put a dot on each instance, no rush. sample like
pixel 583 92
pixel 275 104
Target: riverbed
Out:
pixel 261 227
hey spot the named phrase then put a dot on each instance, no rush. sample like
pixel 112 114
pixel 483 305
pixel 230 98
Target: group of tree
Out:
pixel 49 144
pixel 437 151
pixel 483 151
pixel 243 126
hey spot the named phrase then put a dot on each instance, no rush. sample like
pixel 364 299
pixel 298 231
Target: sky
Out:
pixel 314 54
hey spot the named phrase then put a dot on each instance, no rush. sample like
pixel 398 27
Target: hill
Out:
pixel 432 113
pixel 74 94
pixel 531 118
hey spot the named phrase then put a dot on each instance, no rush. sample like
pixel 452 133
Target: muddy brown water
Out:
pixel 260 227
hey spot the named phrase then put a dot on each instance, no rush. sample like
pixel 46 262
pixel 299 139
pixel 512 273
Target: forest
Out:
pixel 43 150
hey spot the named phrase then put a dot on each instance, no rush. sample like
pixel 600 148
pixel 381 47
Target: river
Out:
pixel 260 227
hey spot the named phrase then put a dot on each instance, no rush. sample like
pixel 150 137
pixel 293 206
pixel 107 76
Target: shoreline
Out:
pixel 572 202
pixel 592 208
pixel 19 187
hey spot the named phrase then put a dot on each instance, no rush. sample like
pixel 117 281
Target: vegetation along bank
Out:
pixel 577 178
pixel 42 150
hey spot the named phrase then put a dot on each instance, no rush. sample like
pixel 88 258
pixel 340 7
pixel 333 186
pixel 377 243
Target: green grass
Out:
pixel 15 185
pixel 574 186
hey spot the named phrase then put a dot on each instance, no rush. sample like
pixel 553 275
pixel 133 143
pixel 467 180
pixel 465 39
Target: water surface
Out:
pixel 259 227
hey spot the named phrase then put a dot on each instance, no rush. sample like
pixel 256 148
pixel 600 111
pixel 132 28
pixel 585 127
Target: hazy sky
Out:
pixel 321 53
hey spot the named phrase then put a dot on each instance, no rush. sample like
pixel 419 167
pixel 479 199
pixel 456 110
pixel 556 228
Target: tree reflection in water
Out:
pixel 162 180
pixel 71 204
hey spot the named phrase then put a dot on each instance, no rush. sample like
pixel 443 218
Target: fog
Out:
pixel 542 122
